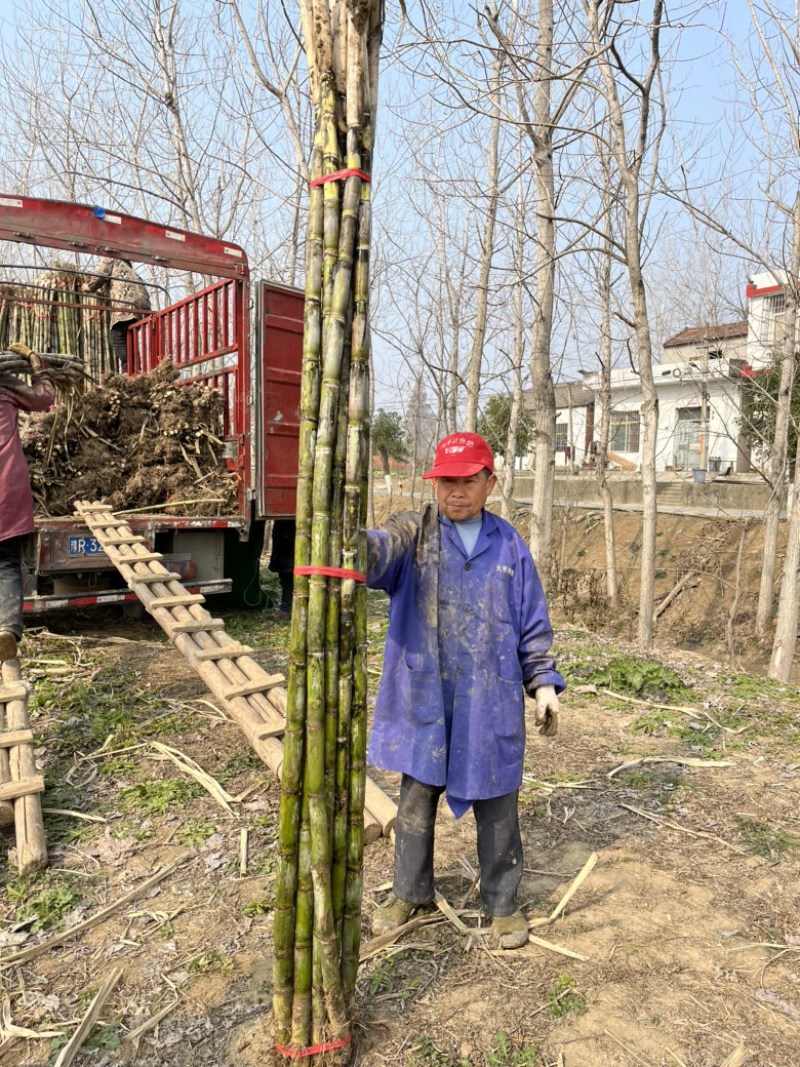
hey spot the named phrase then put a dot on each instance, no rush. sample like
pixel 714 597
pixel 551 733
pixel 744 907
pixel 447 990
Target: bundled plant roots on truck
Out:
pixel 196 435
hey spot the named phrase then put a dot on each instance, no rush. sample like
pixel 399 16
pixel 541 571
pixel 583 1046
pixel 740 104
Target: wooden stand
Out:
pixel 255 700
pixel 20 785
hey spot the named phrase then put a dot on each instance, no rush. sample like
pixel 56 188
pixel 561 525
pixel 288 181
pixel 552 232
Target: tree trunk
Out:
pixel 629 164
pixel 487 253
pixel 605 409
pixel 649 417
pixel 544 399
pixel 785 641
pixel 778 449
pixel 507 472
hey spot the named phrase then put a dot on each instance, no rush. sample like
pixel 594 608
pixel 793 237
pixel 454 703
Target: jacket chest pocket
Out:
pixel 502 594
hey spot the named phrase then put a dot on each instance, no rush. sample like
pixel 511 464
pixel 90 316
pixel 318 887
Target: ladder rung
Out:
pixel 11 738
pixel 247 689
pixel 271 731
pixel 175 601
pixel 20 691
pixel 23 788
pixel 93 509
pixel 228 652
pixel 149 578
pixel 146 557
pixel 110 539
pixel 107 527
pixel 195 626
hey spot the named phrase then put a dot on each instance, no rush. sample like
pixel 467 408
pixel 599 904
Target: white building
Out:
pixel 699 385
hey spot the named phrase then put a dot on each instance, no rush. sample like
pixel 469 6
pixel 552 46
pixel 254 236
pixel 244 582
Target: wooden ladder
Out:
pixel 255 700
pixel 20 785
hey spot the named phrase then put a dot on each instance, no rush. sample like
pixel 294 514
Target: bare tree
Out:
pixel 604 272
pixel 147 112
pixel 277 75
pixel 777 88
pixel 631 141
pixel 541 118
pixel 487 249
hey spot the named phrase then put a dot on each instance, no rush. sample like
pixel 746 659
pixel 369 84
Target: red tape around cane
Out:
pixel 339 174
pixel 332 572
pixel 312 1050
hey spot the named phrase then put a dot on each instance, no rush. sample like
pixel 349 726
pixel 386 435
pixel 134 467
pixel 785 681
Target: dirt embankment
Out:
pixel 710 570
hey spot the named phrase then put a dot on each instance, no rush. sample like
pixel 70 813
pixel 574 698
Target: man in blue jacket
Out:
pixel 468 632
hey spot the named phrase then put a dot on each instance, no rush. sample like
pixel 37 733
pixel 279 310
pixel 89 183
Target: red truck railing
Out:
pixel 206 336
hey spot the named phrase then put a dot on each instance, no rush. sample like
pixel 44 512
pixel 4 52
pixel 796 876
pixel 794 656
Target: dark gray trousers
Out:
pixel 499 847
pixel 118 340
pixel 11 586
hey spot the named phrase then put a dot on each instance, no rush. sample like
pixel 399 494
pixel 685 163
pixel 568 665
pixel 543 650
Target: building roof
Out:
pixel 573 395
pixel 696 335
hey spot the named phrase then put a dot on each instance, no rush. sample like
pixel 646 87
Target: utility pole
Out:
pixel 704 415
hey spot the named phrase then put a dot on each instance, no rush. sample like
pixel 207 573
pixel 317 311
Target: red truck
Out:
pixel 240 336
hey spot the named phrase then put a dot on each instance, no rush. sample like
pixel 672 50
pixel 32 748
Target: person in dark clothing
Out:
pixel 128 300
pixel 281 559
pixel 16 500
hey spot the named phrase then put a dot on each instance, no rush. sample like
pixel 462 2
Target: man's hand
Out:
pixel 19 348
pixel 547 709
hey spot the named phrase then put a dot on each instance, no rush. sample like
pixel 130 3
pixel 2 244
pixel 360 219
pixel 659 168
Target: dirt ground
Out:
pixel 680 773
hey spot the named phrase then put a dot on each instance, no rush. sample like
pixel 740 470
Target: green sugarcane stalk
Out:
pixel 355 557
pixel 300 1007
pixel 319 1015
pixel 294 737
pixel 347 639
pixel 339 671
pixel 317 775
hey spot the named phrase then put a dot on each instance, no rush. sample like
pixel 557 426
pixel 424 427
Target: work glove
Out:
pixel 19 348
pixel 547 708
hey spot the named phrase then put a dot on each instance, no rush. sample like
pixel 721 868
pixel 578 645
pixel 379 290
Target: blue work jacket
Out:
pixel 465 632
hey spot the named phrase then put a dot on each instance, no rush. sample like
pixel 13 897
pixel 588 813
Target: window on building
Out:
pixel 625 432
pixel 774 309
pixel 561 436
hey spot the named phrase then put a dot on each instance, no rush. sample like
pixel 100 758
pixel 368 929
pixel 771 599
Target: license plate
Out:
pixel 84 546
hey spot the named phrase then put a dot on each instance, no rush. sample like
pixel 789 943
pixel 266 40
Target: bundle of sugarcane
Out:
pixel 318 908
pixel 95 343
pixel 54 314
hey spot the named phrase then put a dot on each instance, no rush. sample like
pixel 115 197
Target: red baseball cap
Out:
pixel 460 455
